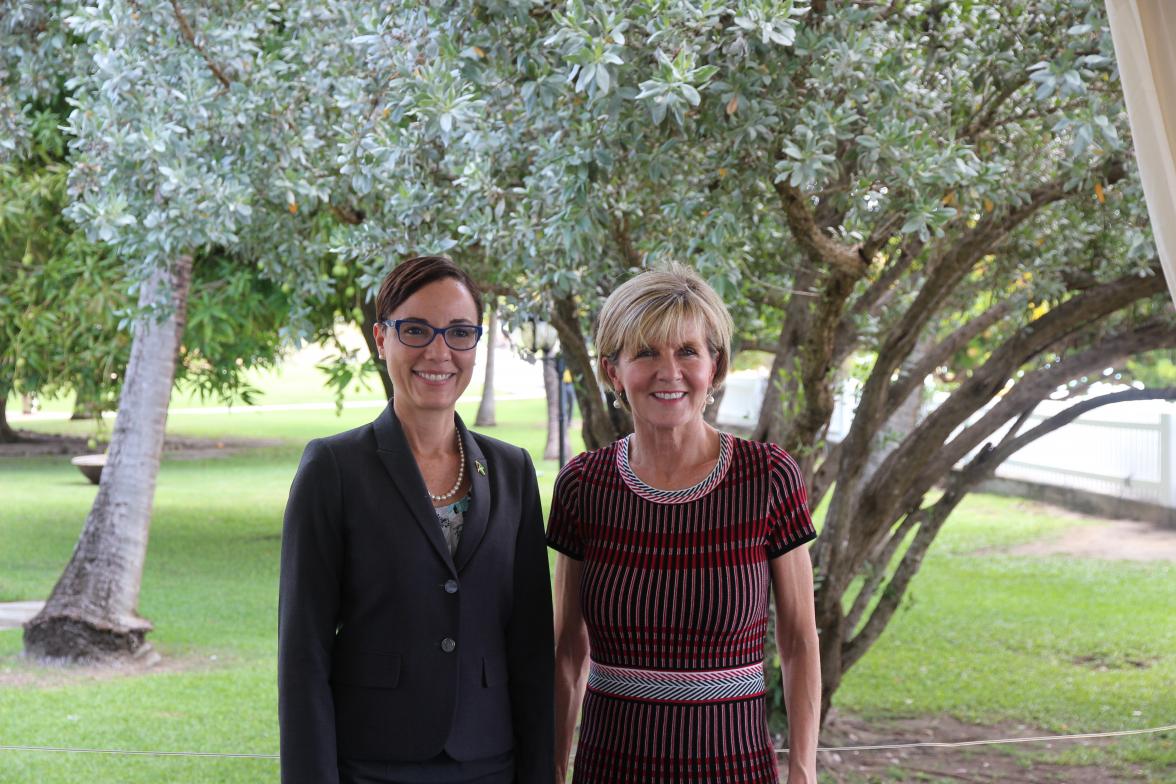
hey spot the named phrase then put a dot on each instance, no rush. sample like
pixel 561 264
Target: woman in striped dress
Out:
pixel 670 542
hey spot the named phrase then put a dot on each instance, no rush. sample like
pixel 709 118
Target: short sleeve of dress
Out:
pixel 564 531
pixel 789 523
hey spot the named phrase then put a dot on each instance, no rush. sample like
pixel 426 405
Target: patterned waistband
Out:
pixel 680 687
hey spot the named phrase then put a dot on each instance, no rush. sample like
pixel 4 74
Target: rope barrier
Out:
pixel 928 744
pixel 933 744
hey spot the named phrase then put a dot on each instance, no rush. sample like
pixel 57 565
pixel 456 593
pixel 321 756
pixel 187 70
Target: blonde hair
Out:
pixel 656 306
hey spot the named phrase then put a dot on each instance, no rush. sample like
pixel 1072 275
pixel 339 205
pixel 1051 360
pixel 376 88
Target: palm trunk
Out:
pixel 485 416
pixel 92 613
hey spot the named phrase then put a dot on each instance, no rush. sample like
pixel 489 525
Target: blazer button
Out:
pixel 451 586
pixel 448 645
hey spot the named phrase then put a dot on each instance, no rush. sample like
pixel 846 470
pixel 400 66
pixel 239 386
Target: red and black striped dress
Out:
pixel 677 583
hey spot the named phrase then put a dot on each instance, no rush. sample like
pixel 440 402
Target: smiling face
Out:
pixel 666 383
pixel 431 378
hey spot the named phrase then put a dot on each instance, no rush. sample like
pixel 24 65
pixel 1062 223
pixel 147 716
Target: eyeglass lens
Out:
pixel 458 337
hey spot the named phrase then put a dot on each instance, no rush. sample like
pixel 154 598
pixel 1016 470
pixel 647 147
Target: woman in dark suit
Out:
pixel 415 640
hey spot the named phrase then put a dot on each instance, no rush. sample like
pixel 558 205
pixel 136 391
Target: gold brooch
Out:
pixel 478 464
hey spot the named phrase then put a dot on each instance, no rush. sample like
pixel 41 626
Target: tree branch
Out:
pixel 984 118
pixel 781 377
pixel 821 250
pixel 913 376
pixel 1068 319
pixel 882 289
pixel 926 455
pixel 856 646
pixel 1029 391
pixel 190 37
pixel 980 467
pixel 599 427
pixel 875 298
pixel 1014 445
pixel 879 561
pixel 347 215
pixel 824 475
pixel 881 234
pixel 621 234
pixel 758 345
pixel 953 264
pixel 773 296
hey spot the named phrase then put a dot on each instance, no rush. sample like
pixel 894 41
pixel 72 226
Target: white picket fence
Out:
pixel 1125 450
pixel 1128 453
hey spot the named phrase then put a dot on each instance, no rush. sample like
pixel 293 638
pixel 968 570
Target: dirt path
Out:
pixel 1115 540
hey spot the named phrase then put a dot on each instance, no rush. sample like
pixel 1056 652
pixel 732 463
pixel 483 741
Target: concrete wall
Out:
pixel 1082 501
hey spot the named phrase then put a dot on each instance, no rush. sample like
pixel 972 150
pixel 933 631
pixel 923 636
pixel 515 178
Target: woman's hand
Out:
pixel 571 658
pixel 800 660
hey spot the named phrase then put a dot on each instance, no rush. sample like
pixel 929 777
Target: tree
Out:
pixel 157 193
pixel 891 182
pixel 248 133
pixel 58 319
pixel 65 298
pixel 485 416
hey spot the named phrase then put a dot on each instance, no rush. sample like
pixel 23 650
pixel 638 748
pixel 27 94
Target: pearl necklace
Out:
pixel 460 473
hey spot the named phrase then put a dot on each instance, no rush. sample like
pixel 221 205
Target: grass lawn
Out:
pixel 1057 644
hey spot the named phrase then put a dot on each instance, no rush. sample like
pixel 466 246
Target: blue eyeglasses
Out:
pixel 418 334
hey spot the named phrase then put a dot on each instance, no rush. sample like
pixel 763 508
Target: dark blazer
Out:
pixel 389 649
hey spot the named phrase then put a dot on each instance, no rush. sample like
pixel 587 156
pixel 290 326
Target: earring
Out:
pixel 710 399
pixel 616 403
pixel 619 398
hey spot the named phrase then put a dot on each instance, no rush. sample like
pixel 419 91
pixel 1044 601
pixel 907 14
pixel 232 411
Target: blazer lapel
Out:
pixel 477 516
pixel 394 452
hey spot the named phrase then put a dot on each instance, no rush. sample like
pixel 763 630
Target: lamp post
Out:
pixel 540 338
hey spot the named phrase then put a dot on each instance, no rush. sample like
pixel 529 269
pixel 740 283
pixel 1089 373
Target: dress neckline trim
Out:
pixel 684 495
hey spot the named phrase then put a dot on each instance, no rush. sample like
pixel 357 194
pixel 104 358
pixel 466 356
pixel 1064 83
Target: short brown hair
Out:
pixel 411 275
pixel 653 307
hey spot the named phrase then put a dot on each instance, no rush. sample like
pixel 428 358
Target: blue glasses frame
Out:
pixel 442 331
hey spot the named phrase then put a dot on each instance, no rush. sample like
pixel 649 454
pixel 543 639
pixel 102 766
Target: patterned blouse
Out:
pixel 452 520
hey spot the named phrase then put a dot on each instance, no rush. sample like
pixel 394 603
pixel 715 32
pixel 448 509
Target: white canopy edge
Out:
pixel 1144 32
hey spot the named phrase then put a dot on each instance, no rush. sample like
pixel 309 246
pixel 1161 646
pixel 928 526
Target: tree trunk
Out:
pixel 817 372
pixel 551 383
pixel 485 417
pixel 7 434
pixel 780 398
pixel 369 318
pixel 899 425
pixel 880 555
pixel 831 639
pixel 600 423
pixel 92 614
